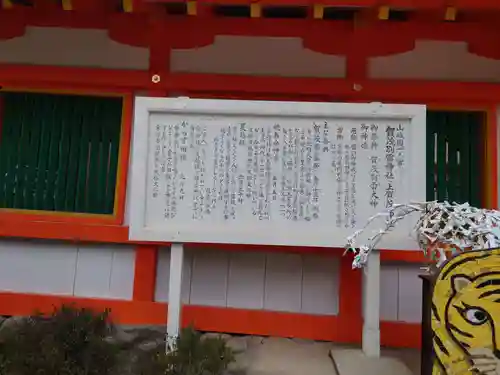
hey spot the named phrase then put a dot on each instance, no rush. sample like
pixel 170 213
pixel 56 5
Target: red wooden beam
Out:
pixel 78 78
pixel 225 85
pixel 328 32
pixel 336 89
pixel 375 38
pixel 12 24
pixel 477 4
pixel 56 17
pixel 397 4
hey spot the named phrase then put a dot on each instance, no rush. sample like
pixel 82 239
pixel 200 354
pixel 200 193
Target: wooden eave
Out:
pixel 341 27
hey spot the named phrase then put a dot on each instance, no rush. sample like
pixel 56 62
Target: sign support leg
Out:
pixel 174 294
pixel 371 306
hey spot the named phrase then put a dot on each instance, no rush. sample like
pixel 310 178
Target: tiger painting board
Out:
pixel 273 173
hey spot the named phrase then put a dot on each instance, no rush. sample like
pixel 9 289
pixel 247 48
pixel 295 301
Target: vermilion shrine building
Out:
pixel 69 71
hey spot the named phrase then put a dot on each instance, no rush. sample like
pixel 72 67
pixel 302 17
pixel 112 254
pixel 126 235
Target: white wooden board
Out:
pixel 277 173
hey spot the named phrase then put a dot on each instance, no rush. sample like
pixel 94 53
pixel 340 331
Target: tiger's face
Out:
pixel 473 317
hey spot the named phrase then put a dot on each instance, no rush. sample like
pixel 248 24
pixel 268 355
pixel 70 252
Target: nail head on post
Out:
pixel 156 78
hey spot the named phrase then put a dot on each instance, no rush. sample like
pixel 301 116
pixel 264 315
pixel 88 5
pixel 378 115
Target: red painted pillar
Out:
pixel 160 47
pixel 350 302
pixel 146 257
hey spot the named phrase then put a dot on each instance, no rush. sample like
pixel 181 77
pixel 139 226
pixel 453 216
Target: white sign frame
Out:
pixel 145 106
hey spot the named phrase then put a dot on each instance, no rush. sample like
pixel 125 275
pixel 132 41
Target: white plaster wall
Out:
pixel 248 280
pixel 47 267
pixel 255 280
pixel 431 60
pixel 284 57
pixel 436 60
pixel 400 292
pixel 72 47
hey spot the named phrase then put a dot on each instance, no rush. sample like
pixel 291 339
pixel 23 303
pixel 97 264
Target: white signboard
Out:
pixel 275 173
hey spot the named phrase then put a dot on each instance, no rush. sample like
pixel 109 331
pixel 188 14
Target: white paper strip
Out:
pixel 441 227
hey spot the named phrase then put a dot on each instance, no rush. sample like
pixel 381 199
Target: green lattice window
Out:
pixel 455 156
pixel 59 152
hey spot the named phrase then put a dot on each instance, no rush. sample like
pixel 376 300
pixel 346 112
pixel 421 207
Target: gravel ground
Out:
pixel 256 355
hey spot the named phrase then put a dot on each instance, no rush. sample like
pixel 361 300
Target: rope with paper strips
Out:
pixel 441 228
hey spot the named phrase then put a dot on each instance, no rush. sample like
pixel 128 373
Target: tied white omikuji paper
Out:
pixel 441 226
